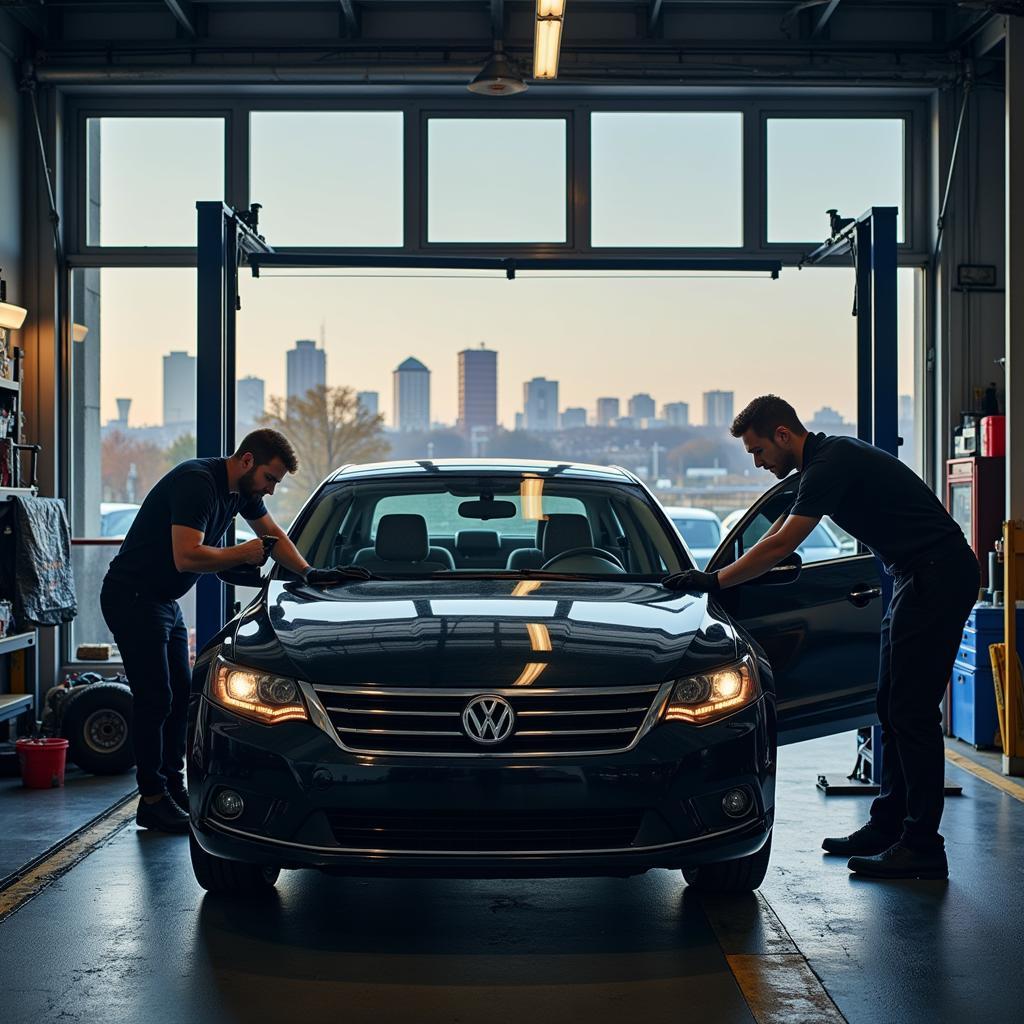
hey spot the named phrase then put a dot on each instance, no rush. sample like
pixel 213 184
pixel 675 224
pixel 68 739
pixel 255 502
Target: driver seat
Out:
pixel 564 532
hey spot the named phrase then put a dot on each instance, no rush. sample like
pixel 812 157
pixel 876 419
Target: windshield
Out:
pixel 505 523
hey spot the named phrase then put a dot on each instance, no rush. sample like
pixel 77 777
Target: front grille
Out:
pixel 549 722
pixel 482 832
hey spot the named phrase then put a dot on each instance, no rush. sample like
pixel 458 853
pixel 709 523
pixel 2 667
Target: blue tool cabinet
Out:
pixel 973 716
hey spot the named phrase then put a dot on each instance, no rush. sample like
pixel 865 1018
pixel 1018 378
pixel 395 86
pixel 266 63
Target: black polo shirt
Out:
pixel 874 497
pixel 193 494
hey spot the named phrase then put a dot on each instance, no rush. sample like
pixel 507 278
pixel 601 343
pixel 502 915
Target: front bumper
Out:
pixel 302 791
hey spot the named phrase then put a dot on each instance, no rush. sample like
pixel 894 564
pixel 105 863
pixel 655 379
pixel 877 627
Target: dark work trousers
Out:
pixel 153 642
pixel 920 636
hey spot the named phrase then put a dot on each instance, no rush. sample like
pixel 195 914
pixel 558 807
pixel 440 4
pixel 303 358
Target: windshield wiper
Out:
pixel 338 574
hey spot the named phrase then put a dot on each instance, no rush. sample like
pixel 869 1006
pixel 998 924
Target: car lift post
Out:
pixel 225 240
pixel 871 241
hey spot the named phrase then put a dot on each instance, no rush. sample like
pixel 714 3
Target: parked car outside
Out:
pixel 117 517
pixel 700 528
pixel 822 543
pixel 513 689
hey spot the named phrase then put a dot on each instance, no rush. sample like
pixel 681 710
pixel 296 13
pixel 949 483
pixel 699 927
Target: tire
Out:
pixel 744 874
pixel 97 723
pixel 218 875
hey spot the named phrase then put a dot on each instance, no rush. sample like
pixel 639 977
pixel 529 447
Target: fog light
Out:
pixel 736 803
pixel 228 804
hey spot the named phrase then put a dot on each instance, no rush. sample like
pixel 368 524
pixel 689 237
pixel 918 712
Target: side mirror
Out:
pixel 787 571
pixel 242 576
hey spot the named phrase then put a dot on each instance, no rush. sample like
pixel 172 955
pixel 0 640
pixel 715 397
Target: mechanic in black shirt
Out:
pixel 174 538
pixel 887 507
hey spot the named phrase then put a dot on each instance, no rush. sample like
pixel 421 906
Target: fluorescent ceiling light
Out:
pixel 546 45
pixel 11 316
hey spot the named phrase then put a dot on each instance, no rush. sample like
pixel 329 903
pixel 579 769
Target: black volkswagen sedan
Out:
pixel 505 687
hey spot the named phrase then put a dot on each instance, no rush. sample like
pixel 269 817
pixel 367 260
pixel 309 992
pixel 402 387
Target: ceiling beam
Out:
pixel 31 19
pixel 350 18
pixel 653 15
pixel 183 14
pixel 824 17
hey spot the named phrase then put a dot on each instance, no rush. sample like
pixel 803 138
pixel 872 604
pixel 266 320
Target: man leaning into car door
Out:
pixel 887 507
pixel 174 538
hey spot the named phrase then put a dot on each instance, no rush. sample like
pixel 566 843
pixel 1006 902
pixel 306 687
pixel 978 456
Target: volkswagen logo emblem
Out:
pixel 488 719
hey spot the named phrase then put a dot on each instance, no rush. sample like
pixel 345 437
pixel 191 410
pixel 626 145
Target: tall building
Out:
pixel 411 395
pixel 642 407
pixel 718 408
pixel 369 401
pixel 478 389
pixel 574 418
pixel 607 411
pixel 179 388
pixel 250 402
pixel 540 404
pixel 307 368
pixel 676 414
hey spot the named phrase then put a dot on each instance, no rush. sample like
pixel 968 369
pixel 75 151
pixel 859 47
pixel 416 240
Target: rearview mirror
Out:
pixel 488 510
pixel 242 576
pixel 787 571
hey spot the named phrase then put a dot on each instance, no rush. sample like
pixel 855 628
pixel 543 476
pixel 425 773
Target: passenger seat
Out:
pixel 529 558
pixel 403 545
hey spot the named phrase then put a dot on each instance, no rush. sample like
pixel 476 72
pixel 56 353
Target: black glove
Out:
pixel 339 574
pixel 693 580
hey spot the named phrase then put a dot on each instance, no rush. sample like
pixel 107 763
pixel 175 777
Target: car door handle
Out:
pixel 861 597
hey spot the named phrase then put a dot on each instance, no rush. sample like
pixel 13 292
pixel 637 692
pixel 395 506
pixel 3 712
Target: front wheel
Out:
pixel 744 874
pixel 218 875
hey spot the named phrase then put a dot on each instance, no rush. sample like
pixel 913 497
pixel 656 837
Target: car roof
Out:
pixel 477 467
pixel 116 506
pixel 689 512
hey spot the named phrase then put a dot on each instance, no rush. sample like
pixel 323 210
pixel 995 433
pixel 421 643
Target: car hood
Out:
pixel 468 632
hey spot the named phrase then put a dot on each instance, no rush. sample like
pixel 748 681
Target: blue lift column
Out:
pixel 225 239
pixel 871 240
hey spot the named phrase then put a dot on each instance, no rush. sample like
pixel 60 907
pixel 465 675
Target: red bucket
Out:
pixel 42 762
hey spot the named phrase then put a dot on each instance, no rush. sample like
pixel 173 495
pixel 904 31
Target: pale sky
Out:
pixel 665 179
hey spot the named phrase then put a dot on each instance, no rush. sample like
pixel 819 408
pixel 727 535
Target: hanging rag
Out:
pixel 38 577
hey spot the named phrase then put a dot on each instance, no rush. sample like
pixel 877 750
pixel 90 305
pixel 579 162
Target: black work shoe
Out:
pixel 901 861
pixel 179 796
pixel 865 842
pixel 163 816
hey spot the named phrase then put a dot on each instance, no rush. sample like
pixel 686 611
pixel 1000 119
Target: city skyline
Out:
pixel 805 329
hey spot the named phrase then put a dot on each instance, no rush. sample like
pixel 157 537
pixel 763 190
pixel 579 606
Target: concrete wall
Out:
pixel 972 322
pixel 10 162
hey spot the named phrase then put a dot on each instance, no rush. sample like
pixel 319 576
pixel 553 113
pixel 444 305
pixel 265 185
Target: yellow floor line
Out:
pixel 781 988
pixel 63 859
pixel 777 983
pixel 1008 786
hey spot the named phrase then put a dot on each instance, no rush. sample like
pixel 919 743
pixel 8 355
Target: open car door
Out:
pixel 820 632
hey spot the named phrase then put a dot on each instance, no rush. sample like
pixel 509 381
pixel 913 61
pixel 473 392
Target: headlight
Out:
pixel 713 695
pixel 264 698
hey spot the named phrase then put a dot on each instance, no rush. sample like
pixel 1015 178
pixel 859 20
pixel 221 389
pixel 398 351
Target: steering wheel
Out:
pixel 575 552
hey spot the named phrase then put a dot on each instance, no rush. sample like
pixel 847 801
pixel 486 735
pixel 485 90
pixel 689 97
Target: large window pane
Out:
pixel 330 178
pixel 667 179
pixel 496 180
pixel 146 174
pixel 132 412
pixel 817 164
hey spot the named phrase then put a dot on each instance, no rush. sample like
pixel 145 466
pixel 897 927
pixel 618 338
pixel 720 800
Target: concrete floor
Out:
pixel 127 935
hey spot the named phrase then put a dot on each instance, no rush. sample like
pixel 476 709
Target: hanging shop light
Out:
pixel 11 316
pixel 547 39
pixel 499 76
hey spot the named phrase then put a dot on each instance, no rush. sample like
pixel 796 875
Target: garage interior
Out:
pixel 679 197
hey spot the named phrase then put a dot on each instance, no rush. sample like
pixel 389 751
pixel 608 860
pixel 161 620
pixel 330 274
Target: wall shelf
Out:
pixel 17 642
pixel 9 385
